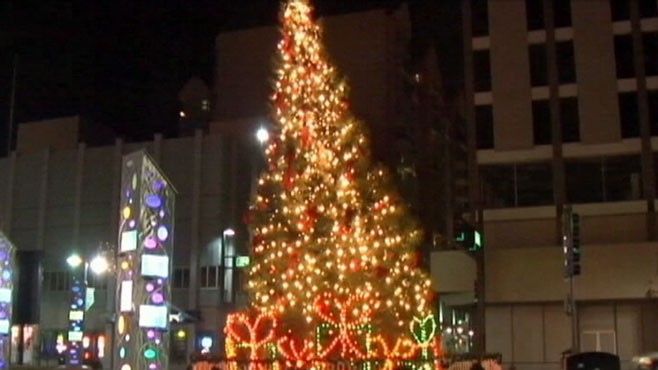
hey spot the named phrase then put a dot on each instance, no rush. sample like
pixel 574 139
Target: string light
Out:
pixel 333 270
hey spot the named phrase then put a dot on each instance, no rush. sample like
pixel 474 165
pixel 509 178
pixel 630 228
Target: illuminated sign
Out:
pixel 155 265
pixel 75 336
pixel 153 316
pixel 126 297
pixel 77 315
pixel 242 261
pixel 128 241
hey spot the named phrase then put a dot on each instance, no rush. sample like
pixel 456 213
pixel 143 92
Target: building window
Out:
pixel 650 49
pixel 97 281
pixel 534 13
pixel 541 122
pixel 653 111
pixel 624 56
pixel 209 276
pixel 566 66
pixel 497 186
pixel 607 179
pixel 479 18
pixel 57 281
pixel 205 105
pixel 648 8
pixel 538 65
pixel 562 13
pixel 622 176
pixel 534 184
pixel 181 278
pixel 48 280
pixel 629 117
pixel 484 126
pixel 482 70
pixel 569 119
pixel 517 185
pixel 620 10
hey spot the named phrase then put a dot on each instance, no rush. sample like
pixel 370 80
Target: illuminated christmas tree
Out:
pixel 334 248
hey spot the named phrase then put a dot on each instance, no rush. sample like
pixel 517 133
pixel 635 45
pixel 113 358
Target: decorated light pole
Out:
pixel 76 309
pixel 81 298
pixel 6 293
pixel 143 266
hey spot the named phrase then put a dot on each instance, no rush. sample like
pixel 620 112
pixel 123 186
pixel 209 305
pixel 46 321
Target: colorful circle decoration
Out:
pixel 6 288
pixel 146 203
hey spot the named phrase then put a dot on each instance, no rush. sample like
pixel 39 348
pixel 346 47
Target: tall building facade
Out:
pixel 561 105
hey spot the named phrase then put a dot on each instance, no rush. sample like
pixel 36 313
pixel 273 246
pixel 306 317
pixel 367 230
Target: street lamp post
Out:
pixel 76 309
pixel 78 305
pixel 223 257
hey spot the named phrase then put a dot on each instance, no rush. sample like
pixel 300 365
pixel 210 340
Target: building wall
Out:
pixel 510 89
pixel 595 71
pixel 533 336
pixel 66 200
pixel 527 175
pixel 59 133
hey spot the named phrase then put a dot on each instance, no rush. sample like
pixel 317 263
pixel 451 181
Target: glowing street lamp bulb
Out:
pixel 229 232
pixel 99 265
pixel 74 260
pixel 262 135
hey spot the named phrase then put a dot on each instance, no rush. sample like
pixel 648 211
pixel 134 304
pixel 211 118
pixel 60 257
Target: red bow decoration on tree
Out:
pixel 347 317
pixel 252 331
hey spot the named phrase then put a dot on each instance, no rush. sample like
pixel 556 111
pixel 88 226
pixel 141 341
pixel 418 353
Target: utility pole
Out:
pixel 571 247
pixel 12 102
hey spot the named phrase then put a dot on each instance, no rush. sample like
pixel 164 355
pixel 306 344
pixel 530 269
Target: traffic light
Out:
pixel 575 243
pixel 469 237
pixel 571 243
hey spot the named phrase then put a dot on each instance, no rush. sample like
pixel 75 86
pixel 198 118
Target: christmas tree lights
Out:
pixel 334 261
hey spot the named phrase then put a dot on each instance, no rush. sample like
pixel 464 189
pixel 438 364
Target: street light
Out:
pixel 262 135
pixel 99 265
pixel 76 309
pixel 74 260
pixel 224 258
pixel 79 302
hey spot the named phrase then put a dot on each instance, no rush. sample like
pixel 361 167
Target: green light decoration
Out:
pixel 242 261
pixel 423 331
pixel 324 328
pixel 150 354
pixel 272 350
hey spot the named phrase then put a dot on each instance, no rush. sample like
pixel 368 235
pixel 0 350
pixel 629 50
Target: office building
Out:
pixel 561 102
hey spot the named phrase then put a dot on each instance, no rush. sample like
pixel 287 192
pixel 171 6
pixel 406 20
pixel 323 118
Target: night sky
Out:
pixel 121 62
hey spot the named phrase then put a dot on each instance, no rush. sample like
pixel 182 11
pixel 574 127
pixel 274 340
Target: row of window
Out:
pixel 60 281
pixel 209 277
pixel 619 9
pixel 565 61
pixel 629 119
pixel 624 54
pixel 588 180
pixel 538 58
